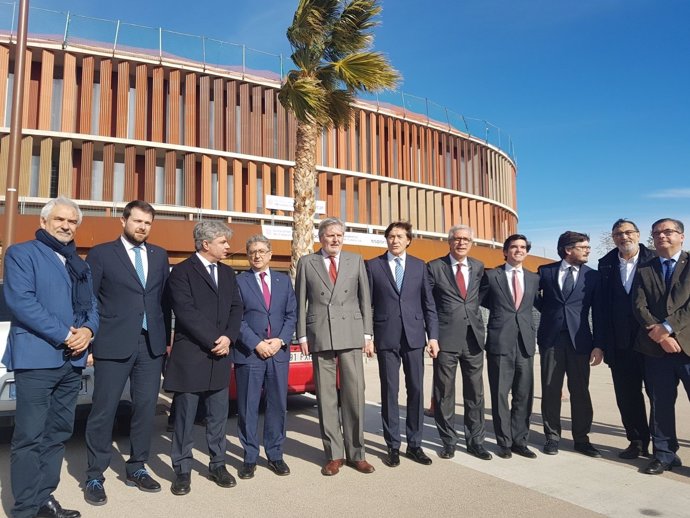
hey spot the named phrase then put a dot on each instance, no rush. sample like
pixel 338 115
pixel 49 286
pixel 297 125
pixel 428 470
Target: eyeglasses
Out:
pixel 460 239
pixel 626 233
pixel 260 253
pixel 667 232
pixel 584 248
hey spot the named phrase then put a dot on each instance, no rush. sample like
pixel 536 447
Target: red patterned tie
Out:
pixel 517 289
pixel 461 281
pixel 332 271
pixel 267 296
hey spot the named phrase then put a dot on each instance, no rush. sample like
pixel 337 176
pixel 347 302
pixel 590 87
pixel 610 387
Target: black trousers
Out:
pixel 556 362
pixel 627 372
pixel 471 360
pixel 511 373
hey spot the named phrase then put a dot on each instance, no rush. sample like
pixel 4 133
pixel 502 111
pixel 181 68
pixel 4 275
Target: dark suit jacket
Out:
pixel 619 325
pixel 282 315
pixel 575 310
pixel 411 311
pixel 38 292
pixel 333 317
pixel 122 300
pixel 652 304
pixel 456 314
pixel 203 312
pixel 506 322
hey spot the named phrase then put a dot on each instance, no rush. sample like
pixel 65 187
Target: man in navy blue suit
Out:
pixel 54 317
pixel 404 318
pixel 262 357
pixel 129 275
pixel 569 291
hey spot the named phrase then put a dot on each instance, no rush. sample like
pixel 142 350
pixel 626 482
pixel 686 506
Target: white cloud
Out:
pixel 670 193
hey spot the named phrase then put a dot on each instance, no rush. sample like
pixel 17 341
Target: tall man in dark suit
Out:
pixel 661 304
pixel 129 276
pixel 204 296
pixel 54 316
pixel 569 291
pixel 334 326
pixel 404 318
pixel 455 281
pixel 617 270
pixel 262 357
pixel 509 293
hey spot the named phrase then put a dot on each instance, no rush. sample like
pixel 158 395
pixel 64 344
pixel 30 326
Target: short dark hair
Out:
pixel 142 205
pixel 405 225
pixel 679 224
pixel 515 237
pixel 569 239
pixel 623 221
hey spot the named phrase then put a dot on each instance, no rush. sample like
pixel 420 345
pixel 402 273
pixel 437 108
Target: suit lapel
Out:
pixel 319 266
pixel 204 273
pixel 383 263
pixel 503 284
pixel 53 258
pixel 449 274
pixel 123 256
pixel 250 280
pixel 678 270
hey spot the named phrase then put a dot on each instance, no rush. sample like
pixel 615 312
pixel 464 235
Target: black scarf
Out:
pixel 78 273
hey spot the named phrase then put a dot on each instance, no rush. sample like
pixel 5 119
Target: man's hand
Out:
pixel 222 346
pixel 305 348
pixel 368 348
pixel 432 348
pixel 657 332
pixel 670 345
pixel 268 347
pixel 596 357
pixel 79 340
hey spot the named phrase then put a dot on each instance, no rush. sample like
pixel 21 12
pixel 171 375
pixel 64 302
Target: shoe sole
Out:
pixel 180 493
pixel 279 473
pixel 241 477
pixel 145 490
pixel 95 503
pixel 221 484
pixel 424 462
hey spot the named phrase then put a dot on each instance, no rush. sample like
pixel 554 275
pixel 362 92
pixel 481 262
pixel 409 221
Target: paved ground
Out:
pixel 567 485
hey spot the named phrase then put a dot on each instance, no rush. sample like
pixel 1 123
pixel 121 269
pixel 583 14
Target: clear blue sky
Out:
pixel 595 94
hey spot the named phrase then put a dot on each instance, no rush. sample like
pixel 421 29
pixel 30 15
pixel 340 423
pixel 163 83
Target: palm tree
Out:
pixel 331 41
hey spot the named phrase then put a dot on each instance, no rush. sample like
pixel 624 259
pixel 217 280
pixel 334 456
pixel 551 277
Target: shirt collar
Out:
pixel 565 265
pixel 326 256
pixel 510 268
pixel 204 261
pixel 454 261
pixel 129 246
pixel 632 260
pixel 392 257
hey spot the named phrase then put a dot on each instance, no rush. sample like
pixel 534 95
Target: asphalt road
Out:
pixel 566 485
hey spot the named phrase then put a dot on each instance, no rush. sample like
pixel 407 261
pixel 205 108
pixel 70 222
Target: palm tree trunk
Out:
pixel 305 194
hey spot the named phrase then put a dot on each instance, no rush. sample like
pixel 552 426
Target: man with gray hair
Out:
pixel 48 290
pixel 203 294
pixel 455 280
pixel 334 325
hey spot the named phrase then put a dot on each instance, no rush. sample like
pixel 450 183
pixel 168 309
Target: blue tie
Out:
pixel 668 271
pixel 399 272
pixel 568 282
pixel 139 267
pixel 212 272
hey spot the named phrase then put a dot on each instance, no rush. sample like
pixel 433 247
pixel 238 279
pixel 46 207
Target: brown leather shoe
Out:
pixel 332 467
pixel 361 465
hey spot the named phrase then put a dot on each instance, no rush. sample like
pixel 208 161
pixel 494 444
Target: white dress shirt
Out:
pixel 391 261
pixel 464 269
pixel 206 264
pixel 564 270
pixel 627 270
pixel 129 247
pixel 520 275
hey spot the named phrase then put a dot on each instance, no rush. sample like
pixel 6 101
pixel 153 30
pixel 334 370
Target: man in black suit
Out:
pixel 617 270
pixel 455 281
pixel 208 309
pixel 569 291
pixel 129 276
pixel 661 298
pixel 404 318
pixel 510 292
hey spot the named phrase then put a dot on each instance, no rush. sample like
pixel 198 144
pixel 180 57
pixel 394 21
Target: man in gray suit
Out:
pixel 509 293
pixel 334 325
pixel 455 280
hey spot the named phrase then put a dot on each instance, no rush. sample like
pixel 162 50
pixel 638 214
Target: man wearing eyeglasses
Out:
pixel 661 298
pixel 617 270
pixel 262 357
pixel 566 345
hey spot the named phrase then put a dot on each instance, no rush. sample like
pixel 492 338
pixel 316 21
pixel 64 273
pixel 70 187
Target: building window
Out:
pixel 56 103
pixel 97 180
pixel 95 108
pixel 160 184
pixel 33 182
pixel 119 181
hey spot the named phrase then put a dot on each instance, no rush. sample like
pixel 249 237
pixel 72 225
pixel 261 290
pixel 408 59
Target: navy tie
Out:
pixel 399 273
pixel 568 283
pixel 668 271
pixel 212 272
pixel 139 267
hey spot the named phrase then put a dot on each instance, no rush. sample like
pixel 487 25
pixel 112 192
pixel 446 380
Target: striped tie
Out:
pixel 139 267
pixel 399 272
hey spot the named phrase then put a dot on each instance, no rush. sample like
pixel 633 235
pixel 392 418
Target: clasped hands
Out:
pixel 660 335
pixel 79 340
pixel 268 347
pixel 221 346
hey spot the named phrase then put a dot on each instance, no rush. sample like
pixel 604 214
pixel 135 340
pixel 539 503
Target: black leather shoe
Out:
pixel 634 450
pixel 52 509
pixel 393 458
pixel 279 467
pixel 417 455
pixel 550 447
pixel 523 451
pixel 246 471
pixel 656 467
pixel 504 452
pixel 586 448
pixel 448 452
pixel 181 485
pixel 94 493
pixel 479 451
pixel 221 477
pixel 141 479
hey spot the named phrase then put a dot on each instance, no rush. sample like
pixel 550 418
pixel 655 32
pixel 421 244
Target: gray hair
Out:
pixel 258 238
pixel 61 200
pixel 455 228
pixel 330 222
pixel 208 231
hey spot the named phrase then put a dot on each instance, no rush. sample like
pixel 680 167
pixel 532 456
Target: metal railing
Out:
pixel 75 30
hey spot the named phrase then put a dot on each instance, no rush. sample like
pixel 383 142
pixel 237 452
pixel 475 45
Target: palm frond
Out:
pixel 312 21
pixel 304 96
pixel 366 71
pixel 352 31
pixel 340 107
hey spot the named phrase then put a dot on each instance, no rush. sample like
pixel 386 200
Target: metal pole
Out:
pixel 14 161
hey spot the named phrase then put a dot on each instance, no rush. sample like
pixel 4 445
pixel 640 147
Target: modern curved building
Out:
pixel 106 125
